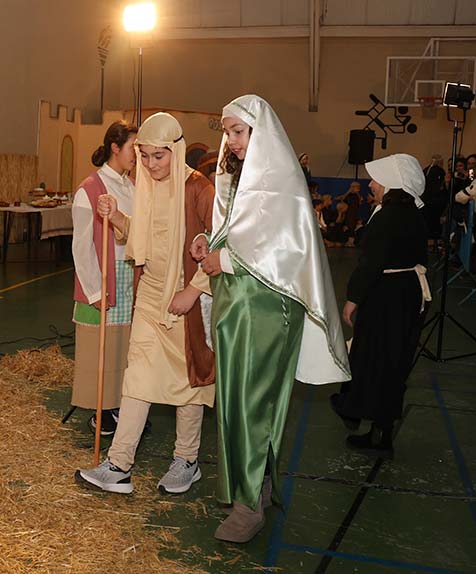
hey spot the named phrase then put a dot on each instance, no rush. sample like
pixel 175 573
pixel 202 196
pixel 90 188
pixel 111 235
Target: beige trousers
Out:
pixel 132 418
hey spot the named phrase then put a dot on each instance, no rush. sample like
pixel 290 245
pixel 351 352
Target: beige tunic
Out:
pixel 157 370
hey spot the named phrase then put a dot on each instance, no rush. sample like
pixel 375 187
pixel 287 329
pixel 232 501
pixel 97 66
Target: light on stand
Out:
pixel 140 17
pixel 458 96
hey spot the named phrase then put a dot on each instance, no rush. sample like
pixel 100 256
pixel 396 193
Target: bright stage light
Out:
pixel 140 17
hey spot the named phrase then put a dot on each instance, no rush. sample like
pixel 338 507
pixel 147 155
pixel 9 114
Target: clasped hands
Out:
pixel 211 265
pixel 184 300
pixel 210 261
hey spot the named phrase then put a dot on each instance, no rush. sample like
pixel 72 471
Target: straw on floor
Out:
pixel 49 524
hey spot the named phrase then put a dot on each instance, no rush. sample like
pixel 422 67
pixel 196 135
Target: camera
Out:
pixel 458 96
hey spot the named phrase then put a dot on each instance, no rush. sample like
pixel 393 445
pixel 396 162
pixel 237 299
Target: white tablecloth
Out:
pixel 55 221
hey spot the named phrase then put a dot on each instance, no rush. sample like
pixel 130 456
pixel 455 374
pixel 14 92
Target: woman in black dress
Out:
pixel 385 301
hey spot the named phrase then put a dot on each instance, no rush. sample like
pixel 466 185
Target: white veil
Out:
pixel 271 229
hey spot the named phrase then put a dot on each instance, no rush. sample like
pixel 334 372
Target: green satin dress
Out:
pixel 257 337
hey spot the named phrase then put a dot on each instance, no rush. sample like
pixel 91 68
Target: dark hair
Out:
pixel 398 196
pixel 470 155
pixel 458 159
pixel 207 164
pixel 230 163
pixel 117 133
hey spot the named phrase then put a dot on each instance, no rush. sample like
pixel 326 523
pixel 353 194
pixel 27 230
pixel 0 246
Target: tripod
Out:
pixel 65 419
pixel 438 319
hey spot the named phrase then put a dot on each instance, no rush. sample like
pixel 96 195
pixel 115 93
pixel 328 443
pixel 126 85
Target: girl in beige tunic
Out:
pixel 168 361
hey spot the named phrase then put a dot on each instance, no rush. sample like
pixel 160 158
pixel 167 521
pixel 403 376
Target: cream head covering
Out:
pixel 271 230
pixel 399 171
pixel 160 130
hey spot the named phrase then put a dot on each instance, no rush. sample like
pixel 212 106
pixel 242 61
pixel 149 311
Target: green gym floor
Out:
pixel 345 513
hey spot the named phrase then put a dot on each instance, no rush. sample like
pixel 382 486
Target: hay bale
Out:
pixel 18 176
pixel 48 524
pixel 47 368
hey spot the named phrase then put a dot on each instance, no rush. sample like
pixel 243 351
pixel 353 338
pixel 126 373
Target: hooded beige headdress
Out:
pixel 160 130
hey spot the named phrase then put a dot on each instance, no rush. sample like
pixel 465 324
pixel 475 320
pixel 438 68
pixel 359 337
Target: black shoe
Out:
pixel 109 420
pixel 375 442
pixel 349 422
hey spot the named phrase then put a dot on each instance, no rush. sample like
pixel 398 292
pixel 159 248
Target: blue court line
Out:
pixel 275 543
pixel 452 375
pixel 457 452
pixel 371 559
pixel 444 389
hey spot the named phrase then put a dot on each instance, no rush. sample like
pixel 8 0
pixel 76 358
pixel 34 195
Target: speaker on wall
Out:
pixel 361 146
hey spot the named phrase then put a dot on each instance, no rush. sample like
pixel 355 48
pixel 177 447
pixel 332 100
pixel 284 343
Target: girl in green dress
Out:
pixel 274 315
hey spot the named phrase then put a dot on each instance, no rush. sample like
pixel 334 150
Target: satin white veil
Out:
pixel 271 229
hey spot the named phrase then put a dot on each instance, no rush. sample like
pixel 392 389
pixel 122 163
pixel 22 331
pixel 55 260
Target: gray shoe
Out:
pixel 107 477
pixel 243 524
pixel 180 476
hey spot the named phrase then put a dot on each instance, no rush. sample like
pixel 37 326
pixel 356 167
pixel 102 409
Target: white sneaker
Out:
pixel 180 476
pixel 107 477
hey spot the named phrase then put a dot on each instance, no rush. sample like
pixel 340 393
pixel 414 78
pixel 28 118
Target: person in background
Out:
pixel 337 233
pixel 471 165
pixel 467 194
pixel 311 183
pixel 460 173
pixel 353 200
pixel 434 197
pixel 169 361
pixel 208 165
pixel 115 159
pixel 386 297
pixel 304 163
pixel 358 232
pixel 318 206
pixel 367 207
pixel 328 211
pixel 458 222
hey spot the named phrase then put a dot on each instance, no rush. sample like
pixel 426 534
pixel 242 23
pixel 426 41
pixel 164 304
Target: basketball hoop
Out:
pixel 429 106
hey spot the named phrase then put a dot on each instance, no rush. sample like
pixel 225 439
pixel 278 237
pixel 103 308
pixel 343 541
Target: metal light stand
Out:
pixel 438 319
pixel 139 90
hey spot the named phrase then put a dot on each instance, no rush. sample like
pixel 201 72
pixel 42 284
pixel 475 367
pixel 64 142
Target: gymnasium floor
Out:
pixel 346 513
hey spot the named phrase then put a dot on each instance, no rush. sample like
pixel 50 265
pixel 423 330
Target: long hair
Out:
pixel 231 164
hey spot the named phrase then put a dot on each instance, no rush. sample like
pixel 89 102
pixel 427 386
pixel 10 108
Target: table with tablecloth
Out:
pixel 51 222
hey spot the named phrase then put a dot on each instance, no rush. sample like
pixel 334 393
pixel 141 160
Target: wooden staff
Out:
pixel 102 340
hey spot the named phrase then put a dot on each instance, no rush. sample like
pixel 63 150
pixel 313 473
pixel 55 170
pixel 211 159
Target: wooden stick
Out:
pixel 102 340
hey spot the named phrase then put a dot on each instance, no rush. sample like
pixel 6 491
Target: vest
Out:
pixel 94 187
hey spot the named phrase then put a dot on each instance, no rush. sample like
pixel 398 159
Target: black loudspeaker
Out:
pixel 361 146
